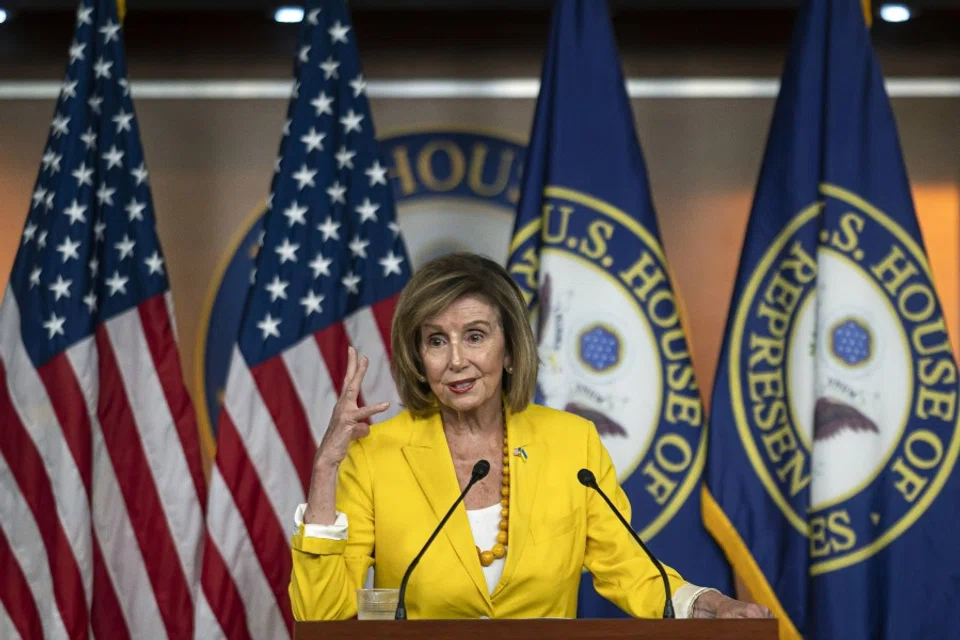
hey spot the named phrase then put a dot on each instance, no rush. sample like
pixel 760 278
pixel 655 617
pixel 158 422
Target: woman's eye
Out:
pixel 435 341
pixel 475 337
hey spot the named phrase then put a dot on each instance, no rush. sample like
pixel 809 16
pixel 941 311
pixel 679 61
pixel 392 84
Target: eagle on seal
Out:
pixel 831 417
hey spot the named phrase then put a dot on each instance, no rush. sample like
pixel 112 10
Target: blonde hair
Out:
pixel 434 287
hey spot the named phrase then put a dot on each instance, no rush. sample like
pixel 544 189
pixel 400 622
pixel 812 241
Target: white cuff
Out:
pixel 685 596
pixel 335 531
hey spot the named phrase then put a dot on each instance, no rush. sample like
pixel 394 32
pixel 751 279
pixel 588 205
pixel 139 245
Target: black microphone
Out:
pixel 480 471
pixel 587 479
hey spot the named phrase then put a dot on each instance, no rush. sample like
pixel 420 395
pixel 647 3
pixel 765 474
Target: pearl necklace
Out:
pixel 499 550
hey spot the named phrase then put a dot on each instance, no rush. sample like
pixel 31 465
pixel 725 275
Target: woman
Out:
pixel 465 365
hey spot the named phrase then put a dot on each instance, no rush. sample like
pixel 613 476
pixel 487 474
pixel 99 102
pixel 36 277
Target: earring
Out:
pixel 509 370
pixel 421 377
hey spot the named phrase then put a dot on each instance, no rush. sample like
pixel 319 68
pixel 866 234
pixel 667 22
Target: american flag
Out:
pixel 101 484
pixel 331 265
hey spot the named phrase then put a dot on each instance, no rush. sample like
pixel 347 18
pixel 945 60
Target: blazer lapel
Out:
pixel 524 478
pixel 429 458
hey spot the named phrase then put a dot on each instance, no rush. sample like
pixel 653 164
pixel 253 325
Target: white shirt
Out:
pixel 485 525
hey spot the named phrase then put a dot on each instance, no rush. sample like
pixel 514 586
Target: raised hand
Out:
pixel 347 424
pixel 349 420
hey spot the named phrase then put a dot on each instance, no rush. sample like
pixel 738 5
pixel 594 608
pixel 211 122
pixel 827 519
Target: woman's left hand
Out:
pixel 711 604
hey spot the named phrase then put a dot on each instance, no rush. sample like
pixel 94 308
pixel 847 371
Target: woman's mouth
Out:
pixel 461 386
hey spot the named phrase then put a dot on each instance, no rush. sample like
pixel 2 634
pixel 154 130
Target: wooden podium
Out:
pixel 539 629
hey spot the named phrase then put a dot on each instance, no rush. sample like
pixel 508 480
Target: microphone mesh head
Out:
pixel 586 477
pixel 481 469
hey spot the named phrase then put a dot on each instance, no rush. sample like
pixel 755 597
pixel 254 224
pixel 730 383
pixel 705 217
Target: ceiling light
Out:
pixel 289 15
pixel 3 16
pixel 895 12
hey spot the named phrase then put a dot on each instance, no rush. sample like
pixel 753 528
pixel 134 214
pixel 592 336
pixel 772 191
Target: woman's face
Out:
pixel 464 353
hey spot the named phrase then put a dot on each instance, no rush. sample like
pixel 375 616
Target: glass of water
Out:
pixel 377 604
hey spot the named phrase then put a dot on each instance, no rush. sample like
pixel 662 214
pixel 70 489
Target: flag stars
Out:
pixel 95 101
pixel 109 31
pixel 377 173
pixel 101 69
pixel 48 201
pixel 35 277
pixel 59 125
pixel 322 103
pixel 98 228
pixel 320 266
pixel 350 281
pixel 313 17
pixel 304 55
pixel 313 140
pixel 277 289
pixel 139 174
pixel 391 264
pixel 117 284
pixel 61 288
pixel 54 325
pixel 345 158
pixel 358 246
pixel 393 226
pixel 304 177
pixel 311 303
pixel 367 210
pixel 269 326
pixel 68 249
pixel 54 168
pixel 39 194
pixel 154 264
pixel 337 193
pixel 114 157
pixel 83 15
pixel 83 175
pixel 287 251
pixel 125 247
pixel 46 161
pixel 94 266
pixel 28 232
pixel 359 85
pixel 135 209
pixel 75 212
pixel 338 32
pixel 351 121
pixel 105 195
pixel 286 126
pixel 330 67
pixel 91 301
pixel 295 214
pixel 68 89
pixel 89 138
pixel 42 240
pixel 329 229
pixel 122 119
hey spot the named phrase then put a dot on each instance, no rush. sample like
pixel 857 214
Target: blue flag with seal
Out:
pixel 834 419
pixel 586 252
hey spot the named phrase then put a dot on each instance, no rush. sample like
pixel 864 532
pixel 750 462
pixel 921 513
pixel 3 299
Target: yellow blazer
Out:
pixel 397 483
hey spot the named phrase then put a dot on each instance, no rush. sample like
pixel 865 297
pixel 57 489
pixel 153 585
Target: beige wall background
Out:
pixel 211 162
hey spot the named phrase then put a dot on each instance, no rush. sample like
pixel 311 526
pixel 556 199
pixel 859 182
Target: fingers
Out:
pixel 351 366
pixel 352 387
pixel 371 410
